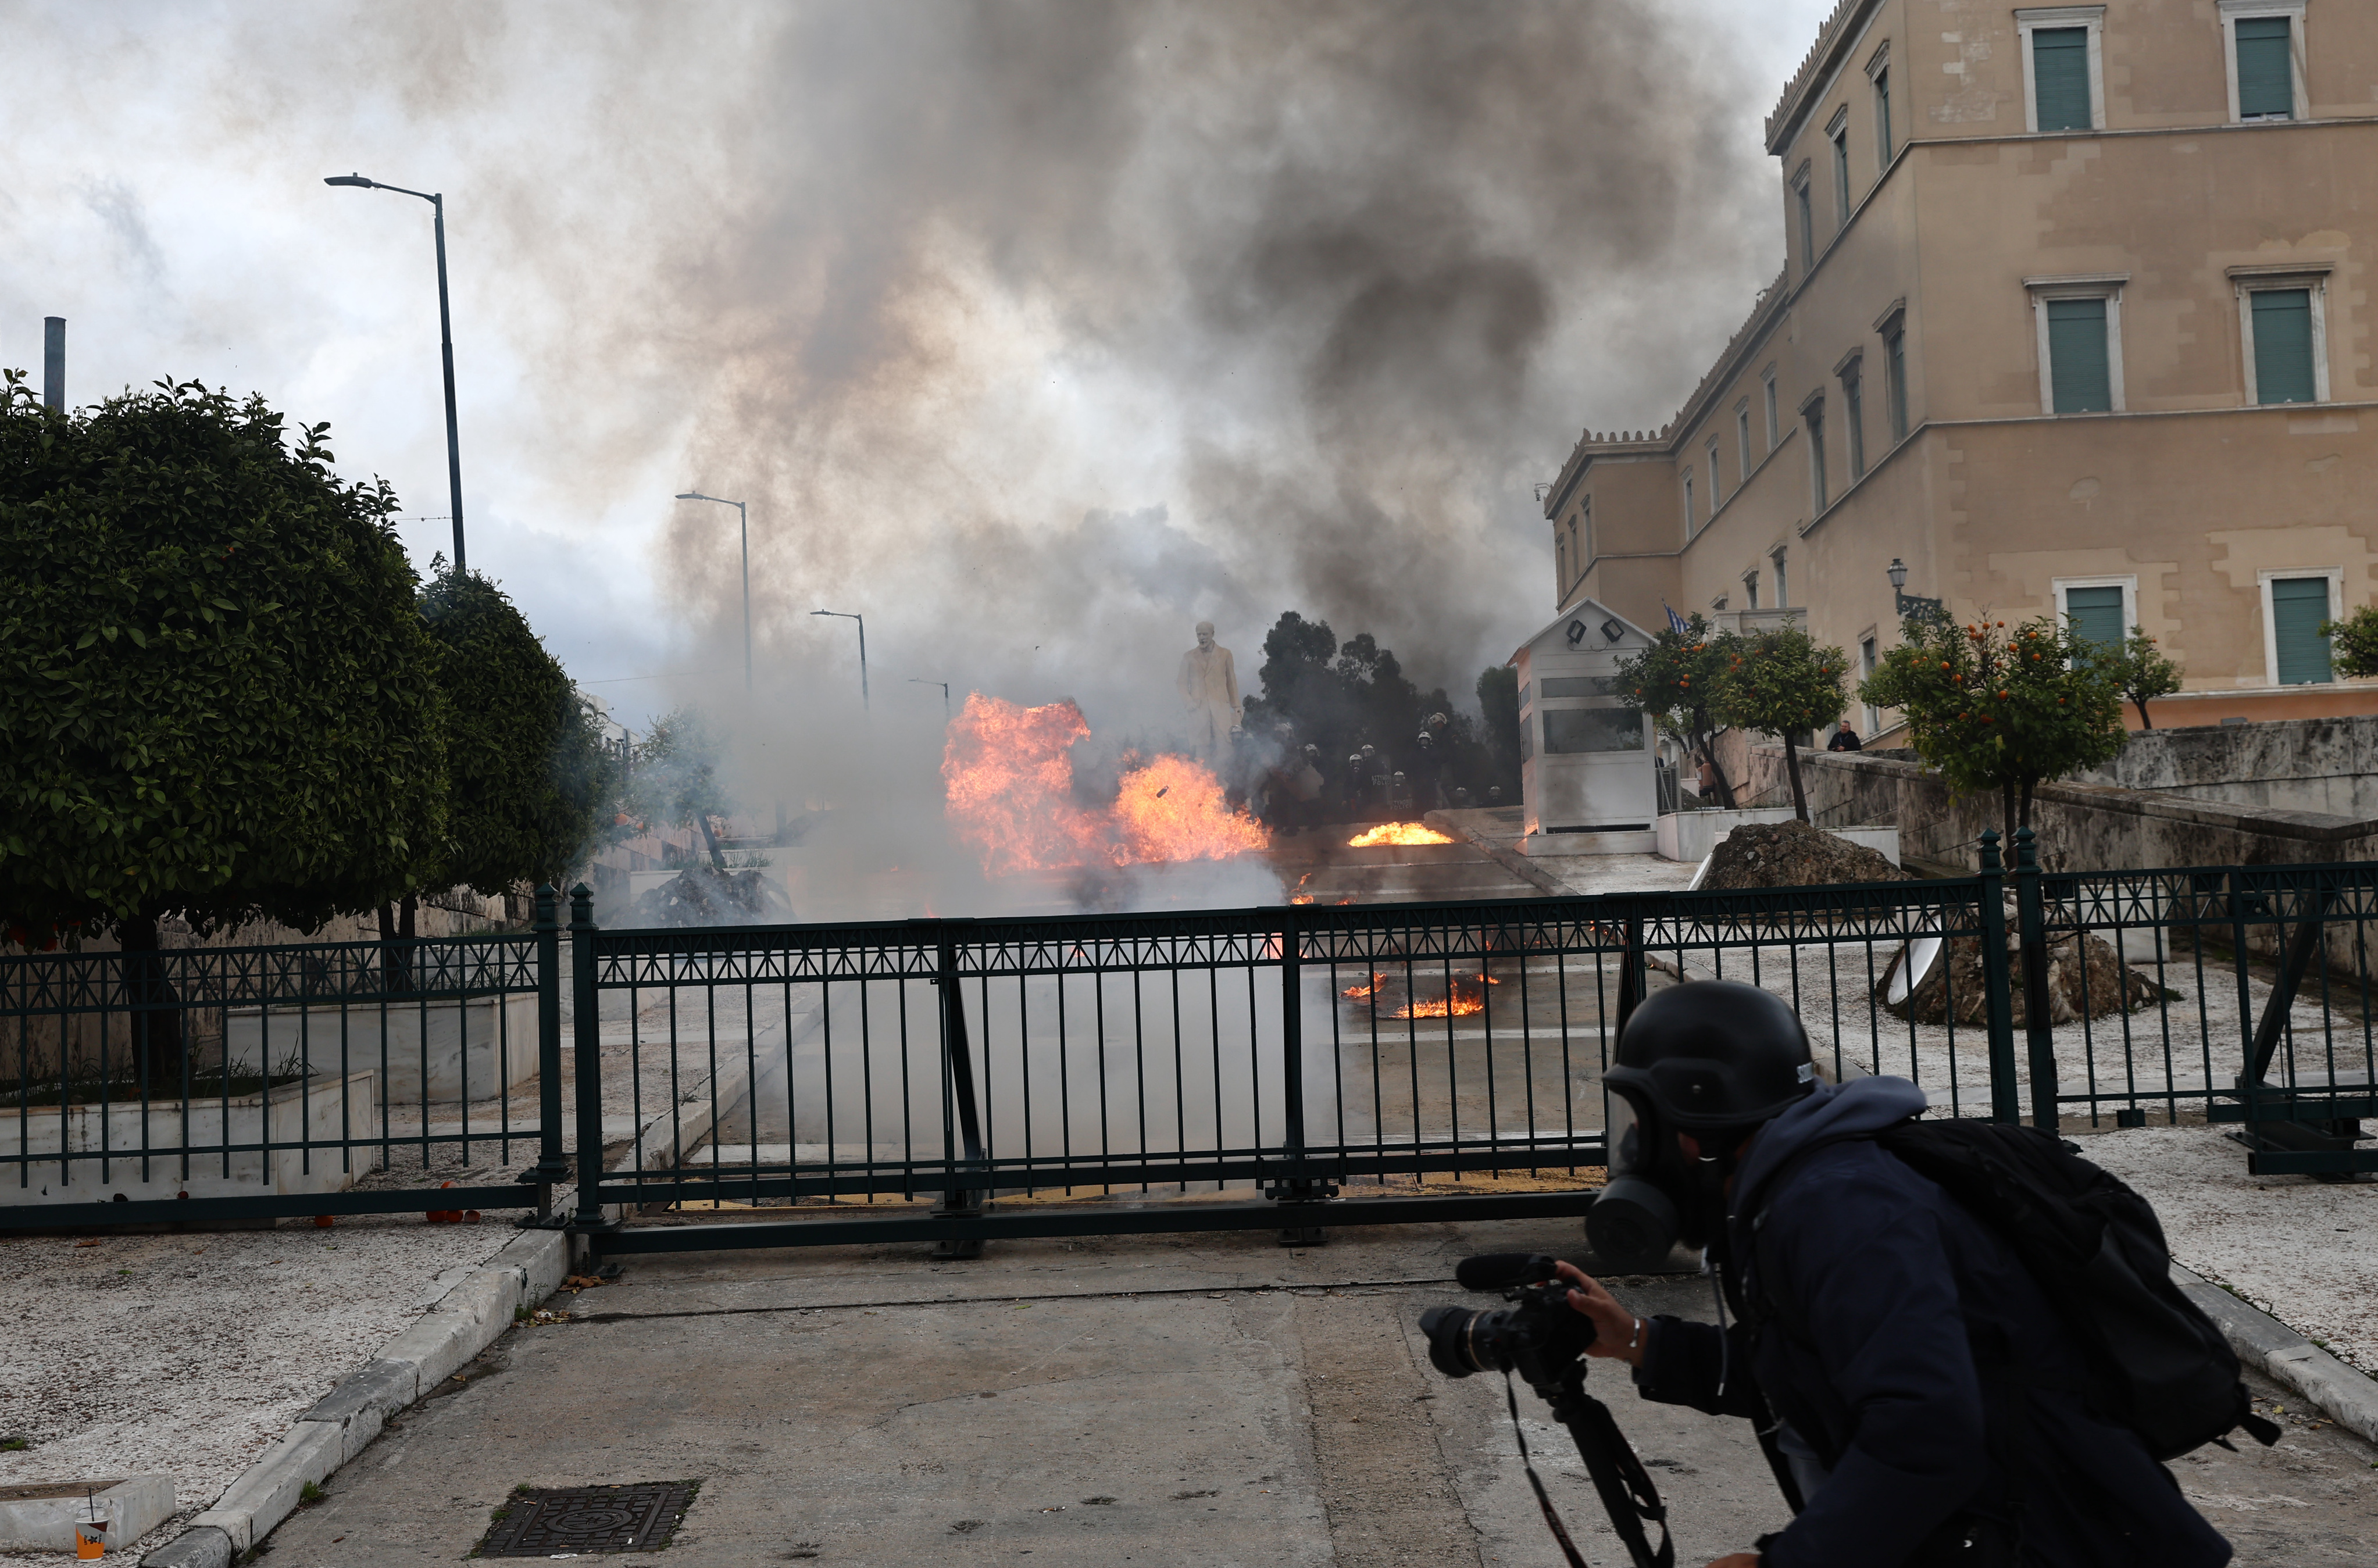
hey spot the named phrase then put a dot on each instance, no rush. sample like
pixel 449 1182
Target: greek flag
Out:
pixel 1675 621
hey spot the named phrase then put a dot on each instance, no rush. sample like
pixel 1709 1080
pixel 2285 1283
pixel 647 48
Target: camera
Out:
pixel 1543 1339
pixel 1538 1337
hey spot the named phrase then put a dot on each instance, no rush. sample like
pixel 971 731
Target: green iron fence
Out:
pixel 892 1079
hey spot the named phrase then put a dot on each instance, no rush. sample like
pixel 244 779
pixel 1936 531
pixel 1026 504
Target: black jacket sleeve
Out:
pixel 1691 1363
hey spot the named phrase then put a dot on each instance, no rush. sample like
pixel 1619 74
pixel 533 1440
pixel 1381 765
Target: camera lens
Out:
pixel 1454 1336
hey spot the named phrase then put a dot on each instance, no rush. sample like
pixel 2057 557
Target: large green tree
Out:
pixel 2355 642
pixel 1783 681
pixel 530 772
pixel 1676 678
pixel 217 696
pixel 1342 695
pixel 2002 710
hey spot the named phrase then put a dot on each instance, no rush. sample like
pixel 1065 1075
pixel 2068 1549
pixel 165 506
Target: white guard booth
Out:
pixel 1588 775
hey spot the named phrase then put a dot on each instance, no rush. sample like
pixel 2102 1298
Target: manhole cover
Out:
pixel 542 1521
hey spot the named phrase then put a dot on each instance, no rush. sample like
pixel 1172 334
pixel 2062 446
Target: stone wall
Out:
pixel 2082 826
pixel 2327 765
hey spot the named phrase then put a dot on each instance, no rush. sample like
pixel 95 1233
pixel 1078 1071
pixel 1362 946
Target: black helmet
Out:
pixel 1713 1054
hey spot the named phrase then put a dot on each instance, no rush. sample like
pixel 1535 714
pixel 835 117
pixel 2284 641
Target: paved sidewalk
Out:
pixel 1202 1400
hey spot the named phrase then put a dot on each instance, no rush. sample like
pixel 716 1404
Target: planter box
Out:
pixel 324 1110
pixel 500 1033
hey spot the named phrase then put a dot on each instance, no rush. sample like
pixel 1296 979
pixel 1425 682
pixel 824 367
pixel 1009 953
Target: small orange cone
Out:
pixel 324 1221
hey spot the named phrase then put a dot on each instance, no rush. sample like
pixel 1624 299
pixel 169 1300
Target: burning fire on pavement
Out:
pixel 1395 832
pixel 1008 776
pixel 1465 995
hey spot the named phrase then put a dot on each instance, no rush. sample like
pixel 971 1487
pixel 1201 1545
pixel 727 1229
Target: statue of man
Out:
pixel 1209 689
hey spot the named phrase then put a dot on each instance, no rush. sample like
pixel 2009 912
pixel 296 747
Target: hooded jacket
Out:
pixel 1900 1340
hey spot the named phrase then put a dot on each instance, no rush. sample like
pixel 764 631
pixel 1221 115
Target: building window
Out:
pixel 1838 134
pixel 1879 72
pixel 1560 565
pixel 1866 671
pixel 1782 596
pixel 1808 222
pixel 2266 53
pixel 1689 503
pixel 1894 376
pixel 1717 492
pixel 1581 533
pixel 1813 414
pixel 2294 606
pixel 2098 609
pixel 1854 417
pixel 2063 68
pixel 1750 590
pixel 1570 731
pixel 1774 430
pixel 2283 322
pixel 1742 433
pixel 2079 325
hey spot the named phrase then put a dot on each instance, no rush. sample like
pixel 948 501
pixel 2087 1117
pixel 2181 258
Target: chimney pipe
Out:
pixel 53 362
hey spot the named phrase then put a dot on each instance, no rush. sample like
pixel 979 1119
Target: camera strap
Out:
pixel 1627 1494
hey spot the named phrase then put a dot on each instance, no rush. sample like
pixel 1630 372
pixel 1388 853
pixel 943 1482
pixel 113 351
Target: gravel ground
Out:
pixel 2299 1249
pixel 190 1354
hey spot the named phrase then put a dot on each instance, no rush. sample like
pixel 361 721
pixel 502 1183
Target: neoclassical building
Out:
pixel 2075 317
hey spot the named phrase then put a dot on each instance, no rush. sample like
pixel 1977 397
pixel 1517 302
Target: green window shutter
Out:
pixel 2095 614
pixel 2077 378
pixel 2299 606
pixel 2266 76
pixel 2282 345
pixel 2059 74
pixel 1898 389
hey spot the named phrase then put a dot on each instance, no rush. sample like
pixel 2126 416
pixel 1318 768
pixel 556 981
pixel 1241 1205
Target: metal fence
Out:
pixel 865 1081
pixel 252 1083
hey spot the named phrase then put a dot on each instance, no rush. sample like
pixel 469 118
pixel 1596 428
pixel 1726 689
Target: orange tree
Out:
pixel 2002 710
pixel 2355 641
pixel 1783 681
pixel 2141 671
pixel 1676 679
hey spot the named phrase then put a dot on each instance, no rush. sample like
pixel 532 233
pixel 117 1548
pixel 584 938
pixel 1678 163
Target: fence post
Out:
pixel 2038 1033
pixel 587 1037
pixel 1297 1187
pixel 552 1165
pixel 1997 998
pixel 958 1059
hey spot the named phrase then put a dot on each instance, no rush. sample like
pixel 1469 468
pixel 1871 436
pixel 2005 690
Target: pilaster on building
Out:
pixel 2071 322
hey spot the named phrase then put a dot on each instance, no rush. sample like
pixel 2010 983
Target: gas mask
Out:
pixel 1658 1196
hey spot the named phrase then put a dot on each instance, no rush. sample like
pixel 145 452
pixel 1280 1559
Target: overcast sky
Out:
pixel 1034 333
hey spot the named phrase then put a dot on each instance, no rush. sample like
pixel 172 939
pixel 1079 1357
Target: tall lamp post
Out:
pixel 1908 604
pixel 445 344
pixel 745 522
pixel 845 615
pixel 920 680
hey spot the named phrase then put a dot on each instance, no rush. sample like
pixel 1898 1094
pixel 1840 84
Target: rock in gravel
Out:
pixel 1794 855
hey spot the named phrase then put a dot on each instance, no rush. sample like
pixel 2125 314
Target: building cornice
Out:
pixel 1836 41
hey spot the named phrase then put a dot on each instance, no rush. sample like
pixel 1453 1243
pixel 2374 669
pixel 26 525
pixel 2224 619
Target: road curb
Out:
pixel 468 1318
pixel 2270 1345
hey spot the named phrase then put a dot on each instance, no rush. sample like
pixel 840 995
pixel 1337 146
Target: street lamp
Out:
pixel 1908 604
pixel 918 680
pixel 845 615
pixel 745 523
pixel 445 344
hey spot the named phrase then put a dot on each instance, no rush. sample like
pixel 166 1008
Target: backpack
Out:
pixel 2157 1364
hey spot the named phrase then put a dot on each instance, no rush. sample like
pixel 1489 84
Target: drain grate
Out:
pixel 544 1521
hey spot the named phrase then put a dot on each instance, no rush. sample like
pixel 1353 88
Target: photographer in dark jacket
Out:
pixel 1904 1369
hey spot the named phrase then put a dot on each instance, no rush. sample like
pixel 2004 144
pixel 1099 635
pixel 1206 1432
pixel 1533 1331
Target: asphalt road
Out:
pixel 1207 1400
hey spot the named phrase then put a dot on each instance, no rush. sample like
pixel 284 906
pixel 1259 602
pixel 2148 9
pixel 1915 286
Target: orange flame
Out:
pixel 1467 996
pixel 1361 991
pixel 1395 832
pixel 1008 778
